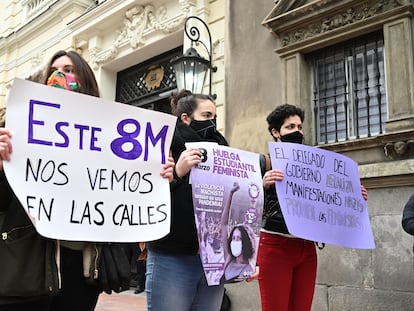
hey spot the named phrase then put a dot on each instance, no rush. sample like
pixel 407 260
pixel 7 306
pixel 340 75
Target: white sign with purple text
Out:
pixel 320 196
pixel 88 169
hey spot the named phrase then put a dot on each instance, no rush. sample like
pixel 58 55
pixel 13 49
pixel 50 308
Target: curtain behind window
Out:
pixel 349 96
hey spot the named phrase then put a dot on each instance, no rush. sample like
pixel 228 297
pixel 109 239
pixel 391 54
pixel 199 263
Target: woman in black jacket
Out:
pixel 25 284
pixel 70 71
pixel 175 276
pixel 67 70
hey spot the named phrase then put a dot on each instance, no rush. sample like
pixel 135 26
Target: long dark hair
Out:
pixel 83 72
pixel 247 244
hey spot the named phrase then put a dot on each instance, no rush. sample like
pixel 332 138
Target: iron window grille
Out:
pixel 132 88
pixel 349 95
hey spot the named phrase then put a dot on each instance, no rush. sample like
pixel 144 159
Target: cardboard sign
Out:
pixel 87 169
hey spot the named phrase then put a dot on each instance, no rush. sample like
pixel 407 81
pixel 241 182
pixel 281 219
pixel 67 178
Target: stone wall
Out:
pixel 347 279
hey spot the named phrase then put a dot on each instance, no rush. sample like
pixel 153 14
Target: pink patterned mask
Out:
pixel 60 80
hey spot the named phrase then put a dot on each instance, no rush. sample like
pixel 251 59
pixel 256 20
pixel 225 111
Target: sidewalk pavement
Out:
pixel 125 301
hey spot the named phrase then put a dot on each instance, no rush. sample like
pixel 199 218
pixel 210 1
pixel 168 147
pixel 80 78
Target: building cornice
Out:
pixel 56 13
pixel 136 23
pixel 24 35
pixel 305 27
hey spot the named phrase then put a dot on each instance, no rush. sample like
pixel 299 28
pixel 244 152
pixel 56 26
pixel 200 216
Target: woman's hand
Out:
pixel 270 177
pixel 254 276
pixel 187 160
pixel 364 192
pixel 5 144
pixel 167 169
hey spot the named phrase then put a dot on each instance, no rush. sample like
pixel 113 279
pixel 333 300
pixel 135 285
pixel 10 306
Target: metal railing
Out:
pixel 349 96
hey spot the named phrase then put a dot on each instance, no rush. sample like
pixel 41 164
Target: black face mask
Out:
pixel 294 137
pixel 205 129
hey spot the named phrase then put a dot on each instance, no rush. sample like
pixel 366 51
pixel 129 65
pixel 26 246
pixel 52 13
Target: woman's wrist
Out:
pixel 176 179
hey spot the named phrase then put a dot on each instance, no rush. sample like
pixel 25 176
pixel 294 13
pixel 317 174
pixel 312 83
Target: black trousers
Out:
pixel 38 304
pixel 76 293
pixel 138 267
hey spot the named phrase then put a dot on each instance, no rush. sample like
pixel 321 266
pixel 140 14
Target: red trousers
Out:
pixel 287 273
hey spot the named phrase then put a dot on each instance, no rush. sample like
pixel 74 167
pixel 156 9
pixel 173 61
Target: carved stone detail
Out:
pixel 399 149
pixel 350 15
pixel 186 4
pixel 138 20
pixel 37 60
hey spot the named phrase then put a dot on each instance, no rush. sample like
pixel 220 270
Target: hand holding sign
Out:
pixel 5 145
pixel 271 177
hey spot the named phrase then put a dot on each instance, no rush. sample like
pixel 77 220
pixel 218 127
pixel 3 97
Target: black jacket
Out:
pixel 182 239
pixel 28 269
pixel 408 216
pixel 272 213
pixel 273 219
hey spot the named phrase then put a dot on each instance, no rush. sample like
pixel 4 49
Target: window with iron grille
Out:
pixel 132 87
pixel 349 95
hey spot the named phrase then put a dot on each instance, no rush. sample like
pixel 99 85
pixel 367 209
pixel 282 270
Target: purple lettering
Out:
pixel 160 136
pixel 81 129
pixel 94 139
pixel 33 122
pixel 58 127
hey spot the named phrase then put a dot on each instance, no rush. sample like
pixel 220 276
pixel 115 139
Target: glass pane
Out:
pixel 349 90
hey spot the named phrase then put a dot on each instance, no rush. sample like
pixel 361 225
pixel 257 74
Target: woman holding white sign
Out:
pixel 66 70
pixel 286 264
pixel 69 71
pixel 175 275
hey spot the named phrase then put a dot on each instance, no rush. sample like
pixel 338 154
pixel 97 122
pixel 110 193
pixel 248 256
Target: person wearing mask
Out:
pixel 238 245
pixel 175 276
pixel 286 264
pixel 67 70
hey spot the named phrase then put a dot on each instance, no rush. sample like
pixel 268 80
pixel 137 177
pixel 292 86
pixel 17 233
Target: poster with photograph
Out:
pixel 320 195
pixel 228 203
pixel 88 169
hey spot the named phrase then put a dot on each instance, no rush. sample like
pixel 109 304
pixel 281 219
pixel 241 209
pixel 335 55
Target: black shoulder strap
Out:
pixel 265 163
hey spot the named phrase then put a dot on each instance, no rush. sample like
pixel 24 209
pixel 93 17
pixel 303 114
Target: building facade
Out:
pixel 347 63
pixel 122 41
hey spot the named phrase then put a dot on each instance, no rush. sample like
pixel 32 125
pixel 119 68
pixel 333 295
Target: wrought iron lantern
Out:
pixel 191 70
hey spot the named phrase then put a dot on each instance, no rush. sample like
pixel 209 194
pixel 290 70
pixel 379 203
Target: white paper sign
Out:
pixel 88 169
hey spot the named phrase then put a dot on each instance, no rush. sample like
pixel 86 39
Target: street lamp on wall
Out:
pixel 191 70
